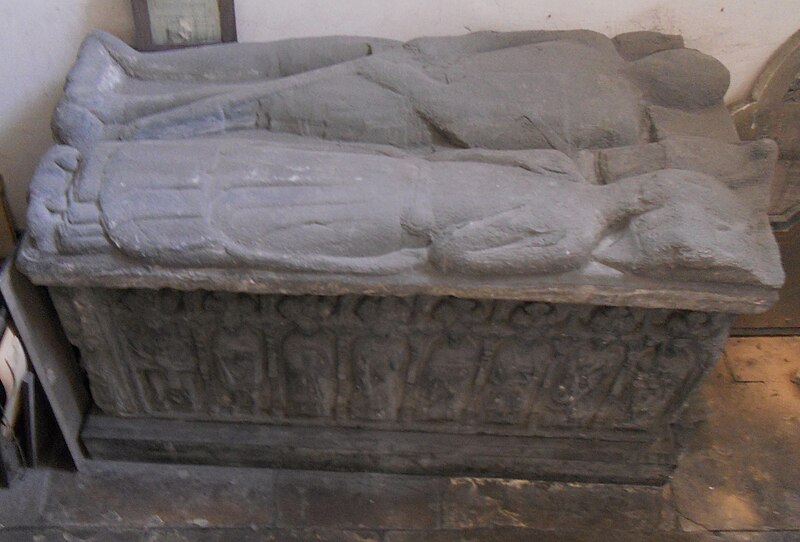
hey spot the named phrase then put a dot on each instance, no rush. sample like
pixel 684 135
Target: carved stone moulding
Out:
pixel 437 384
pixel 773 111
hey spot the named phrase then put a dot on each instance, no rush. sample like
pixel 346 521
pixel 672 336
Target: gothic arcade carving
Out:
pixel 389 362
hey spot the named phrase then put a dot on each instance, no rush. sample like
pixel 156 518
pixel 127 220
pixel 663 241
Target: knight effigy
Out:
pixel 510 254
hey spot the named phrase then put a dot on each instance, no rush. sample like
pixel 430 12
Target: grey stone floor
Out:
pixel 738 481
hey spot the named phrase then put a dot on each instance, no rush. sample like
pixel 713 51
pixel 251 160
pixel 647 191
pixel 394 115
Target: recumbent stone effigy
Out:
pixel 500 253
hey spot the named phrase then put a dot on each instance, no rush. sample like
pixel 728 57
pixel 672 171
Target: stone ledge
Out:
pixel 248 445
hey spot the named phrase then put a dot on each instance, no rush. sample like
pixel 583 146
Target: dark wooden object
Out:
pixel 7 237
pixel 50 354
pixel 144 36
pixel 784 317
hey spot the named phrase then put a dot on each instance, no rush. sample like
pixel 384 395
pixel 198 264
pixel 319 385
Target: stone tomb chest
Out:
pixel 508 254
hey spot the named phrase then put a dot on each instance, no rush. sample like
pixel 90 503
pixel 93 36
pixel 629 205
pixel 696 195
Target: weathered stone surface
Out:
pixel 668 77
pixel 157 496
pixel 563 375
pixel 773 110
pixel 619 457
pixel 322 535
pixel 368 230
pixel 636 45
pixel 742 455
pixel 471 168
pixel 240 534
pixel 510 534
pixel 388 362
pixel 476 503
pixel 196 189
pixel 371 501
pixel 243 206
pixel 712 122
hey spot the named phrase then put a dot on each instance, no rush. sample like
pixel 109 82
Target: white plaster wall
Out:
pixel 38 43
pixel 39 39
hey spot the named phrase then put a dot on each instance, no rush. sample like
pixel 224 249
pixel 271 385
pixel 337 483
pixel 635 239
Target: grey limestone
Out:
pixel 498 253
pixel 561 166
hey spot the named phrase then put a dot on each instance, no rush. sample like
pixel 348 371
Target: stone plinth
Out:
pixel 593 386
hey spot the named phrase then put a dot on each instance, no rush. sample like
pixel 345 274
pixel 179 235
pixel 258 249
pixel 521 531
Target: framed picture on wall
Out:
pixel 170 24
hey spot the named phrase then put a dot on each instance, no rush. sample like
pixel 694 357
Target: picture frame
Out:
pixel 158 29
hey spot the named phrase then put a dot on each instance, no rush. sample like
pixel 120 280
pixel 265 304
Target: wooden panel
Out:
pixel 784 317
pixel 7 236
pixel 49 352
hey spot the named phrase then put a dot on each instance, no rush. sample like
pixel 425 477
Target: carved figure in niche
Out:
pixel 168 367
pixel 380 359
pixel 689 323
pixel 451 311
pixel 649 389
pixel 534 313
pixel 238 353
pixel 379 365
pixel 614 321
pixel 310 374
pixel 384 314
pixel 582 379
pixel 309 313
pixel 444 387
pixel 660 374
pixel 516 371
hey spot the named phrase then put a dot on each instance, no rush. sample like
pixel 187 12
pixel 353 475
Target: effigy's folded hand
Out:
pixel 522 240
